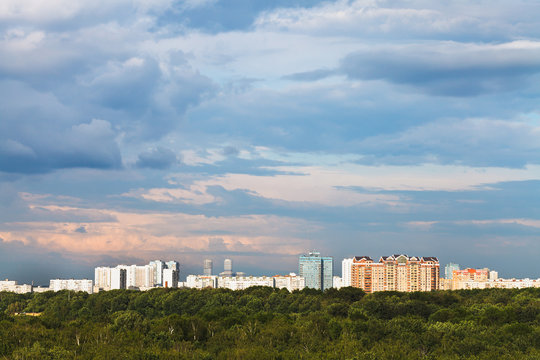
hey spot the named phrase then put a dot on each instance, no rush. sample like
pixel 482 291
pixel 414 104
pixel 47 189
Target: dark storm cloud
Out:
pixel 32 152
pixel 158 158
pixel 27 263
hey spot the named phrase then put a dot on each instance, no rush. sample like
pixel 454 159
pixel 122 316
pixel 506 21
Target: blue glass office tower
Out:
pixel 317 270
pixel 449 269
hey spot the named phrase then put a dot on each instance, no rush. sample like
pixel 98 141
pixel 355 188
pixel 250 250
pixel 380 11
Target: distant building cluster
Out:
pixel 229 279
pixel 13 286
pixel 457 279
pixel 157 273
pixel 397 272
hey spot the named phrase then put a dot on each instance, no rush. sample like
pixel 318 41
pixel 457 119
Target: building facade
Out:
pixel 317 270
pixel 172 265
pixel 449 270
pixel 201 281
pixel 13 286
pixel 227 268
pixel 208 267
pixel 469 279
pixel 290 282
pixel 170 278
pixel 395 273
pixel 337 282
pixel 158 266
pixel 346 272
pixel 118 279
pixel 244 282
pixel 141 277
pixel 72 284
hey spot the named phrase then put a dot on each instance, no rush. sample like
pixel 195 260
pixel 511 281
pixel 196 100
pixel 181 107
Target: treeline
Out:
pixel 263 323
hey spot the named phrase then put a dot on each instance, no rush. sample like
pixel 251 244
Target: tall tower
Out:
pixel 317 270
pixel 227 265
pixel 208 265
pixel 158 271
pixel 227 271
pixel 346 265
pixel 449 270
pixel 174 265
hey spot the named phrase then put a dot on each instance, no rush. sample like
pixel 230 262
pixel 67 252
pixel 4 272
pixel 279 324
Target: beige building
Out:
pixel 201 281
pixel 291 282
pixel 394 273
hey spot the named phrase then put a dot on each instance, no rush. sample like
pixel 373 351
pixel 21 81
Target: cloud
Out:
pixel 75 13
pixel 331 18
pixel 81 230
pixel 453 69
pixel 221 16
pixel 158 158
pixel 230 151
pixel 162 235
pixel 311 75
pixel 46 138
pixel 31 262
pixel 127 85
pixel 300 124
pixel 472 142
pixel 404 19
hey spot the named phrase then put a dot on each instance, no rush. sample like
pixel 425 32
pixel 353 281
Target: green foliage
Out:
pixel 263 323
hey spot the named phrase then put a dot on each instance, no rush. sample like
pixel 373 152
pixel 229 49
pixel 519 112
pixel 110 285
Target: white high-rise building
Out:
pixel 136 277
pixel 102 278
pixel 346 278
pixel 170 278
pixel 173 265
pixel 145 277
pixel 139 276
pixel 158 271
pixel 107 278
pixel 118 278
pixel 227 268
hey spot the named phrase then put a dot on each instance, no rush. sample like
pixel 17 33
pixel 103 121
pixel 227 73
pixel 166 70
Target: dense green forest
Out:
pixel 263 323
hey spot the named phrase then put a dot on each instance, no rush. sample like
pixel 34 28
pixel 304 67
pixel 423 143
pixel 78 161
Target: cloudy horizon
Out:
pixel 260 130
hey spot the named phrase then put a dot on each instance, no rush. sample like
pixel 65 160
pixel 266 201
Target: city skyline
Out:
pixel 397 272
pixel 257 130
pixel 340 268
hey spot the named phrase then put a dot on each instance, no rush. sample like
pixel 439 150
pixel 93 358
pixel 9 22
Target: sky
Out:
pixel 133 130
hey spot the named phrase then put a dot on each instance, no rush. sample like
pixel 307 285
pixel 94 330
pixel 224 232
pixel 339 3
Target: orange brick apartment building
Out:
pixel 392 273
